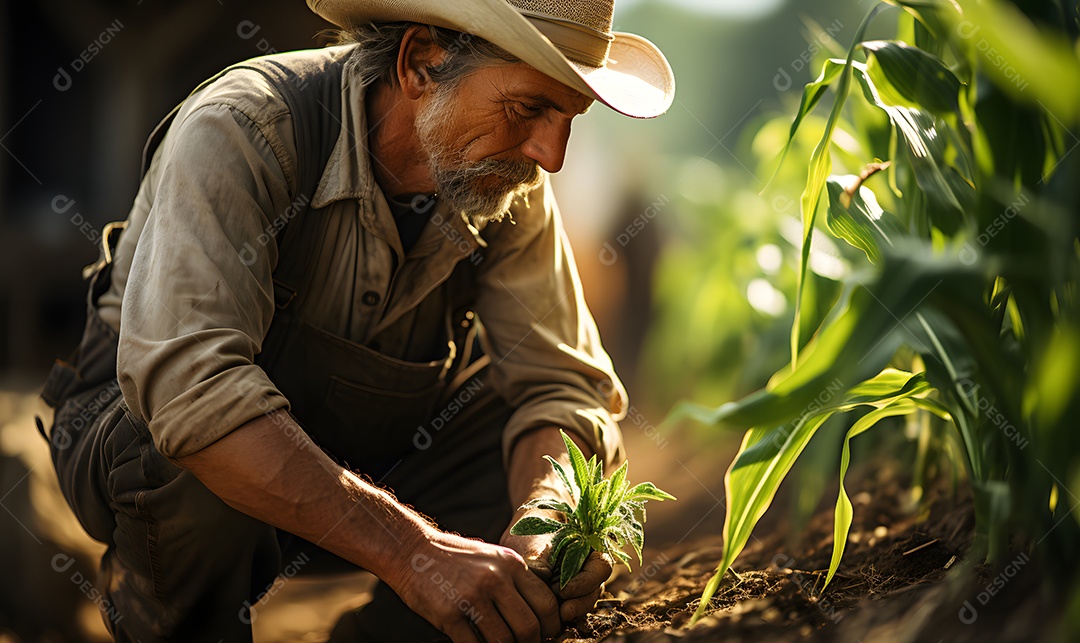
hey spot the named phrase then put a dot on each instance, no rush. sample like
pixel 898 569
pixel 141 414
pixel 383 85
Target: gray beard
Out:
pixel 483 190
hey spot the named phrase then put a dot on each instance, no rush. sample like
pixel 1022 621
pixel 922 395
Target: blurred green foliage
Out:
pixel 918 254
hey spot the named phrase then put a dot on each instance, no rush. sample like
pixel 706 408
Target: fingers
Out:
pixel 540 568
pixel 597 569
pixel 541 601
pixel 492 627
pixel 461 632
pixel 574 608
pixel 519 616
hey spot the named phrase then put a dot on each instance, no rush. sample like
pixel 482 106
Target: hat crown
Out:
pixel 595 14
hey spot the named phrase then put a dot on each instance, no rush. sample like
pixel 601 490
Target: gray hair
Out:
pixel 375 59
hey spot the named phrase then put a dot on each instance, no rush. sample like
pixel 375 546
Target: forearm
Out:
pixel 530 475
pixel 269 469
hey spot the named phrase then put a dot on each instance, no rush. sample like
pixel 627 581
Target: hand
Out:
pixel 584 589
pixel 475 591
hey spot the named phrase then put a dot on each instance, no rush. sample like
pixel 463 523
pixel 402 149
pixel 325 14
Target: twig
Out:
pixel 927 544
pixel 870 170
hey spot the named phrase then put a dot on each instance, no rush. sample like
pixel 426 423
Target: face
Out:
pixel 488 135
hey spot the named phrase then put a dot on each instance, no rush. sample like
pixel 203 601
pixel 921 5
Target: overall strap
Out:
pixel 310 84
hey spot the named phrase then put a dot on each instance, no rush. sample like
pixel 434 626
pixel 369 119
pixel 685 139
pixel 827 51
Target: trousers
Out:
pixel 181 565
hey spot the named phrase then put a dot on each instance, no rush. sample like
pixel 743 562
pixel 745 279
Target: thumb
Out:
pixel 540 568
pixel 593 574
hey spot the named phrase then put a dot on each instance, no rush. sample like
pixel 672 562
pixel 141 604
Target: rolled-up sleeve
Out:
pixel 548 361
pixel 199 297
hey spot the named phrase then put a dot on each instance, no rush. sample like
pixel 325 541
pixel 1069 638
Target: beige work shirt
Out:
pixel 192 292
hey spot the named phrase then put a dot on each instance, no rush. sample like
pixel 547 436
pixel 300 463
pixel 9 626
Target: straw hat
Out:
pixel 569 40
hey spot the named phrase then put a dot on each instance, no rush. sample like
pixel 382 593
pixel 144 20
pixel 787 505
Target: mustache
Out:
pixel 519 177
pixel 524 173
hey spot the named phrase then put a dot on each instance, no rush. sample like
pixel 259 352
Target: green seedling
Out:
pixel 604 518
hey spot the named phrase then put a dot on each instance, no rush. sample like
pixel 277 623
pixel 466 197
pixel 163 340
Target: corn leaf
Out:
pixel 820 165
pixel 561 541
pixel 811 96
pixel 619 486
pixel 915 78
pixel 843 514
pixel 768 453
pixel 855 216
pixel 948 195
pixel 1042 64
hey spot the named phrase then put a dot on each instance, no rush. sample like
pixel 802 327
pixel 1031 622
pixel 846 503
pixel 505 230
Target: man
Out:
pixel 301 371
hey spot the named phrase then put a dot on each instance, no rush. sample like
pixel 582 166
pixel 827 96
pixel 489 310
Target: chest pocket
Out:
pixel 372 404
pixel 364 407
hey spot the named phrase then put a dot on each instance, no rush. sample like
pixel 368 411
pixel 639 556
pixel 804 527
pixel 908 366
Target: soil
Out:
pixel 903 577
pixel 905 574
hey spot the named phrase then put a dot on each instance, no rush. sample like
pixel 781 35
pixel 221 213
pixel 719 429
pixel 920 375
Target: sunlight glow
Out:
pixel 765 298
pixel 739 9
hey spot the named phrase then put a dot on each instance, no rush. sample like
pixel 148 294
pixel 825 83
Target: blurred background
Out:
pixel 689 270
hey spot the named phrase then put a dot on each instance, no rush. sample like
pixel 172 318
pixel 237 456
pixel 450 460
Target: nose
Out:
pixel 547 144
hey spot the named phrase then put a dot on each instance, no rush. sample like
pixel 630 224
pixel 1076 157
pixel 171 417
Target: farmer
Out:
pixel 356 361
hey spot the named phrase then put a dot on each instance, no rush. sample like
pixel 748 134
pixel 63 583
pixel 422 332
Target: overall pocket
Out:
pixel 372 403
pixel 83 423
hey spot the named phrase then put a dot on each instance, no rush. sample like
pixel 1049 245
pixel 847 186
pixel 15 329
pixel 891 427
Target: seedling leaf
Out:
pixel 567 482
pixel 534 526
pixel 605 517
pixel 573 560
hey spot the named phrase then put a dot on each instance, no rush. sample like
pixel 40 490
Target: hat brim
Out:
pixel 636 81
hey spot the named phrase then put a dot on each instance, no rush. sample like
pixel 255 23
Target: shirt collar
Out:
pixel 349 174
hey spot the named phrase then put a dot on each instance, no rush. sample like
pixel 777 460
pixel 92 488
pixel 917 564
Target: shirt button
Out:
pixel 370 298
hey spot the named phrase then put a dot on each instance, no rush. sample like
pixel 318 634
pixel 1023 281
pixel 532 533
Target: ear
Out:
pixel 418 52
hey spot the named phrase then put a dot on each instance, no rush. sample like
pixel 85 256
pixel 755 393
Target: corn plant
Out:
pixel 606 516
pixel 962 222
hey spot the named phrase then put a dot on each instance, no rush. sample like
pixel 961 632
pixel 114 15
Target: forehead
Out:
pixel 519 81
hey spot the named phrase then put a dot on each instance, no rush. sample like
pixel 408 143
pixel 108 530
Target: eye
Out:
pixel 528 109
